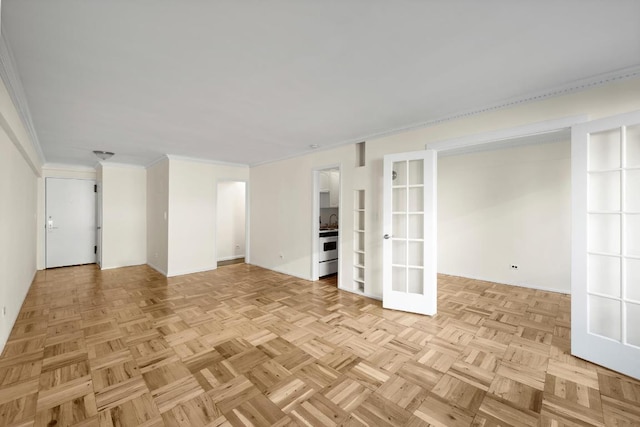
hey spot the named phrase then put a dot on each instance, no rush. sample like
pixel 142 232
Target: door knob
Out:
pixel 386 236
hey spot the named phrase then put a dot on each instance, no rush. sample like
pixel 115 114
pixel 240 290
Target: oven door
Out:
pixel 328 248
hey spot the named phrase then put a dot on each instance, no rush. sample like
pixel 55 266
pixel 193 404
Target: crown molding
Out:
pixel 108 164
pixel 66 167
pixel 573 87
pixel 566 89
pixel 212 162
pixel 156 161
pixel 14 86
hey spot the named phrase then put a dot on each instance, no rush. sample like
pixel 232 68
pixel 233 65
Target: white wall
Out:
pixel 281 219
pixel 19 170
pixel 282 216
pixel 504 207
pixel 157 215
pixel 124 215
pixel 230 220
pixel 192 213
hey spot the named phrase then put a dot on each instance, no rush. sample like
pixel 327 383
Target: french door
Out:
pixel 409 245
pixel 605 279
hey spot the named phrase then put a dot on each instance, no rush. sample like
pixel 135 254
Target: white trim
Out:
pixel 104 163
pixel 67 168
pixel 320 148
pixel 208 161
pixel 282 272
pixel 16 142
pixel 156 161
pixel 229 258
pixel 197 270
pixel 573 87
pixel 537 128
pixel 156 268
pixel 13 83
pixel 518 284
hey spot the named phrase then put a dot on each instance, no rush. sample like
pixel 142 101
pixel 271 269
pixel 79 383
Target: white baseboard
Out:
pixel 13 313
pixel 501 282
pixel 158 269
pixel 229 258
pixel 198 270
pixel 110 267
pixel 282 272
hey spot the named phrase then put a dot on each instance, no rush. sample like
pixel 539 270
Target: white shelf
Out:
pixel 612 255
pixel 359 272
pixel 624 168
pixel 408 186
pixel 415 267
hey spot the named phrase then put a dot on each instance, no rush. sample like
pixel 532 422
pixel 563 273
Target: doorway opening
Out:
pixel 326 239
pixel 231 223
pixel 405 207
pixel 504 211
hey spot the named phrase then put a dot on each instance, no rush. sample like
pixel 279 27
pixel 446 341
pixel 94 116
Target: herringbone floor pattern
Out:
pixel 246 346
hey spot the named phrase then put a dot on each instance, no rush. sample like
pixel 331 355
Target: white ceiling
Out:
pixel 254 81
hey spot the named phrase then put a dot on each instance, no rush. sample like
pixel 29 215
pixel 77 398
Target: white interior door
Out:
pixel 605 279
pixel 410 268
pixel 70 222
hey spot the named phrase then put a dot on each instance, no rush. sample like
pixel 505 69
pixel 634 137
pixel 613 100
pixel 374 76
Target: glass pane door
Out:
pixel 409 282
pixel 606 248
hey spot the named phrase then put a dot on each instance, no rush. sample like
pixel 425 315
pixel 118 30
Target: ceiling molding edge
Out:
pixel 566 89
pixel 67 167
pixel 14 86
pixel 208 161
pixel 107 163
pixel 573 87
pixel 156 161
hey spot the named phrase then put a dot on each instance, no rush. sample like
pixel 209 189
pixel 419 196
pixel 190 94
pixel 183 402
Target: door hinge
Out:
pixel 95 188
pixel 95 249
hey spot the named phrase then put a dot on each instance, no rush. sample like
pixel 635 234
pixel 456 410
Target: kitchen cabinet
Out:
pixel 329 184
pixel 334 189
pixel 324 181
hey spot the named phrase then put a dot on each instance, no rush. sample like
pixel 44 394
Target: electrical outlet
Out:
pixel 514 267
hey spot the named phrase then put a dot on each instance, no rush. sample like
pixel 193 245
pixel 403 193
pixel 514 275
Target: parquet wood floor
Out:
pixel 243 346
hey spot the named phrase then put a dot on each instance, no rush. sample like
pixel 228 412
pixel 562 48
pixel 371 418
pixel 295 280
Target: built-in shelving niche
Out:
pixel 359 241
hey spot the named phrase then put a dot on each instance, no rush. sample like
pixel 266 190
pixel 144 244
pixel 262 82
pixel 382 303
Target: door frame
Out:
pixel 478 139
pixel 506 135
pixel 315 226
pixel 247 218
pixel 46 213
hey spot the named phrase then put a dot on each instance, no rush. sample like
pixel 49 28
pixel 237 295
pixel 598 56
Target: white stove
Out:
pixel 328 254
